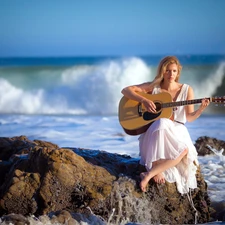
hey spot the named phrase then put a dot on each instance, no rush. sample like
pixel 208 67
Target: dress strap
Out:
pixel 156 90
pixel 183 92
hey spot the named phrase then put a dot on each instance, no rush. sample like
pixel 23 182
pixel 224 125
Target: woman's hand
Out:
pixel 149 105
pixel 191 116
pixel 204 104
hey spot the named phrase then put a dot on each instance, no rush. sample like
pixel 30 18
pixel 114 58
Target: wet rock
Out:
pixel 15 219
pixel 63 217
pixel 202 143
pixel 219 212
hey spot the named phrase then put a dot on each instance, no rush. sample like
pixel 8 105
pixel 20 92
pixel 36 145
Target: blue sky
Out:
pixel 111 27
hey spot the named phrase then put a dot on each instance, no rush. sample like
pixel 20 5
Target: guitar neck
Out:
pixel 181 103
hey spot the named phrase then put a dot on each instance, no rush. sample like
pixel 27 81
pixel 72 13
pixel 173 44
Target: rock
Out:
pixel 202 143
pixel 11 146
pixel 219 210
pixel 39 178
pixel 15 219
pixel 63 217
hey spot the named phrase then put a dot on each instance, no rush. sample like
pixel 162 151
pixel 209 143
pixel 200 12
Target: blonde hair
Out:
pixel 162 69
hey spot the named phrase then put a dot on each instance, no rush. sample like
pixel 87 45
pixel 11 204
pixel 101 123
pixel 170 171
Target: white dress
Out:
pixel 166 139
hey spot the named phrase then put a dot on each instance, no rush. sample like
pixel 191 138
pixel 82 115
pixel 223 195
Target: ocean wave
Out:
pixel 84 89
pixel 90 88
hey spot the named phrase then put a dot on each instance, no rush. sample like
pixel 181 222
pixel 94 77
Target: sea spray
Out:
pixel 213 168
pixel 130 208
pixel 218 153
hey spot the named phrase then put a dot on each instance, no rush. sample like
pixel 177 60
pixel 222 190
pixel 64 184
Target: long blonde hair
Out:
pixel 162 69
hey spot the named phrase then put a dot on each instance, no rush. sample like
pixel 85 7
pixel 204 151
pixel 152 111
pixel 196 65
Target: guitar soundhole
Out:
pixel 158 106
pixel 152 116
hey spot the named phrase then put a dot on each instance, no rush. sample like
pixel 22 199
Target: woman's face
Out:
pixel 171 73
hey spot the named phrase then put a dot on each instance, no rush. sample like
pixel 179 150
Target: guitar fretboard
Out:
pixel 180 103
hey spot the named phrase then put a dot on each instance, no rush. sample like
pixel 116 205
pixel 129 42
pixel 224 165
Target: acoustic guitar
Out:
pixel 135 119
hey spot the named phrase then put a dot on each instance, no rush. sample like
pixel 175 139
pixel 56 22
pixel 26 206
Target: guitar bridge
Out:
pixel 140 112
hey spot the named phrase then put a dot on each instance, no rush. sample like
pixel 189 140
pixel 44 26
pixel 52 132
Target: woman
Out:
pixel 166 148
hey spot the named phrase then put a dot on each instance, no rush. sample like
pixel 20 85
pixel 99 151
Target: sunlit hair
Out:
pixel 162 69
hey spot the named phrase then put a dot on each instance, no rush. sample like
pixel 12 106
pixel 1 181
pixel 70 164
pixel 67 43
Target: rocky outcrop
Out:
pixel 204 143
pixel 39 178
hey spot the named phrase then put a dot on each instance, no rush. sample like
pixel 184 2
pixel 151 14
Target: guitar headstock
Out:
pixel 219 100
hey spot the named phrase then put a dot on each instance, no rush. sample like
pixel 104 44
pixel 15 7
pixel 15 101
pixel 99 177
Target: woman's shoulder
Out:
pixel 146 87
pixel 187 89
pixel 185 86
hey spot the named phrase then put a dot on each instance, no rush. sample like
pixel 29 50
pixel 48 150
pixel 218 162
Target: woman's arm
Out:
pixel 192 114
pixel 131 92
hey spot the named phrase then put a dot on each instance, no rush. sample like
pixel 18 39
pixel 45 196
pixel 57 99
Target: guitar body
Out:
pixel 135 119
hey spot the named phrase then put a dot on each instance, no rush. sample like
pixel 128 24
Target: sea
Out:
pixel 73 102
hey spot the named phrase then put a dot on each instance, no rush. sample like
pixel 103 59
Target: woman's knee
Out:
pixel 185 152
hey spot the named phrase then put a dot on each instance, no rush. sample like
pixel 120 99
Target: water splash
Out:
pixel 219 153
pixel 127 207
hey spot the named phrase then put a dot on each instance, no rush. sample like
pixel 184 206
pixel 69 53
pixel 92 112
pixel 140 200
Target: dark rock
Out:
pixel 219 212
pixel 202 143
pixel 15 145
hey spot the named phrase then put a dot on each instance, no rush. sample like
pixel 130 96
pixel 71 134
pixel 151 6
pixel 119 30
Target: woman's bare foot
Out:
pixel 159 178
pixel 144 181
